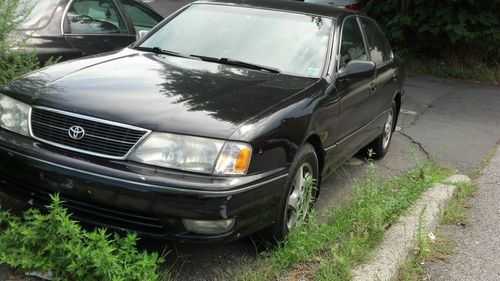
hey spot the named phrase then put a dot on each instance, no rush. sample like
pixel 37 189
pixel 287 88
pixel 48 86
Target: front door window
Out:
pixel 352 45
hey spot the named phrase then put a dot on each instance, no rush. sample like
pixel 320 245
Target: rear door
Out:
pixel 96 26
pixel 381 55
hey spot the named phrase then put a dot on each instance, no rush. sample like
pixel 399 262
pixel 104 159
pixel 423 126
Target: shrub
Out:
pixel 470 27
pixel 14 60
pixel 53 242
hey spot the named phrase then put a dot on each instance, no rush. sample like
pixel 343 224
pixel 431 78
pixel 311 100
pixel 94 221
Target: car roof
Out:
pixel 288 5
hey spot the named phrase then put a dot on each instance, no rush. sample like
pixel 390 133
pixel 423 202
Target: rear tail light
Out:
pixel 354 7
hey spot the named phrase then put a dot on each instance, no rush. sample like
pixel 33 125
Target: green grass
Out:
pixel 456 210
pixel 451 69
pixel 425 250
pixel 476 172
pixel 329 250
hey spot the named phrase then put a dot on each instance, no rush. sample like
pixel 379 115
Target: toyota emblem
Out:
pixel 76 132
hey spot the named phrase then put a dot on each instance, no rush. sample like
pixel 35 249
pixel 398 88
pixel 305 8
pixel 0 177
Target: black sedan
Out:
pixel 210 128
pixel 68 29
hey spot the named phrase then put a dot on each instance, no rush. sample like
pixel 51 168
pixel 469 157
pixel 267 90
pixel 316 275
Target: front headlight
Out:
pixel 14 115
pixel 193 154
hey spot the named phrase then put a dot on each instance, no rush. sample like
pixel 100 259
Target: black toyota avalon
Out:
pixel 219 123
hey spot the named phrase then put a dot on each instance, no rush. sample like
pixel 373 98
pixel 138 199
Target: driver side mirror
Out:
pixel 141 33
pixel 357 69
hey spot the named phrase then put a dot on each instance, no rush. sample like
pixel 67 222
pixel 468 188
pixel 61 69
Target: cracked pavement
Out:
pixel 456 122
pixel 420 146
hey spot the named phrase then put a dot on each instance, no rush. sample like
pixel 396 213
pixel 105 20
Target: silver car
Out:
pixel 348 4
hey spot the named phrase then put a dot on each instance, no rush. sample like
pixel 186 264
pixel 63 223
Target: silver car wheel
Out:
pixel 388 130
pixel 298 201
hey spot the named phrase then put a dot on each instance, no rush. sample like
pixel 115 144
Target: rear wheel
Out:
pixel 379 147
pixel 300 194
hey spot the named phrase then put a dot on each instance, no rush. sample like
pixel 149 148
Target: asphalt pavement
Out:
pixel 458 122
pixel 477 255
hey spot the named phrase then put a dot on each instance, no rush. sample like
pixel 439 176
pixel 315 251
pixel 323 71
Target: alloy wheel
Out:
pixel 388 130
pixel 300 196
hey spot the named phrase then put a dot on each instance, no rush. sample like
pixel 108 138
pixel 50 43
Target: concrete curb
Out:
pixel 399 239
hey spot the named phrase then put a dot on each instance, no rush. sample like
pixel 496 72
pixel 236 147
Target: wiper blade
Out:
pixel 158 50
pixel 238 63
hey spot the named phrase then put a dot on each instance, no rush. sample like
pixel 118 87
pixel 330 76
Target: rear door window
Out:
pixel 95 17
pixel 377 46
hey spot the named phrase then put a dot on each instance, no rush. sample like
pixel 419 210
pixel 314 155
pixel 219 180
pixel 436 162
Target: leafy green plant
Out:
pixel 15 59
pixel 436 23
pixel 53 242
pixel 465 30
pixel 370 153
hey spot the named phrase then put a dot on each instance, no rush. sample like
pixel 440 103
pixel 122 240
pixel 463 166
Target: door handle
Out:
pixel 373 89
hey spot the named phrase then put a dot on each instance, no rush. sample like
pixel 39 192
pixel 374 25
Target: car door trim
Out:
pixel 357 131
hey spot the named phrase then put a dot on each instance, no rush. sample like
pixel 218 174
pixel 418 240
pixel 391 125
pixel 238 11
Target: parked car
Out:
pixel 348 4
pixel 76 28
pixel 208 128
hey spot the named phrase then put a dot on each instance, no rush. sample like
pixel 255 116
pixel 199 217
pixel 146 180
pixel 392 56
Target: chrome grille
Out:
pixel 102 138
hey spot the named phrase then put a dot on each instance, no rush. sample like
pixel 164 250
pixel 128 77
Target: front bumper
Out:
pixel 127 196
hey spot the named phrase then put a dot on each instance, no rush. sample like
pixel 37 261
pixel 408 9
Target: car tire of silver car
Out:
pixel 379 147
pixel 299 195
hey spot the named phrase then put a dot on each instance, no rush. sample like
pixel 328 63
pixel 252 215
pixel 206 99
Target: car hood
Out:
pixel 158 92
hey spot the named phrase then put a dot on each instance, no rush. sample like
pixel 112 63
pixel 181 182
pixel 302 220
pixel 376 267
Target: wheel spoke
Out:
pixel 293 201
pixel 297 205
pixel 387 130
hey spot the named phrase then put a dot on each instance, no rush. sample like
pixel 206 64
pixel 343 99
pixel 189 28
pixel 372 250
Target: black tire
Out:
pixel 379 147
pixel 280 228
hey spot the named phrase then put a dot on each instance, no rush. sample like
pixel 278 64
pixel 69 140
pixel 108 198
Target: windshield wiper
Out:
pixel 238 63
pixel 158 50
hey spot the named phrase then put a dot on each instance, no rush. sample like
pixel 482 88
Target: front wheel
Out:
pixel 300 194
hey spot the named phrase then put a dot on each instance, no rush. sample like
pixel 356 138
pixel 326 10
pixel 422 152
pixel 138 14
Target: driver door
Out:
pixel 96 26
pixel 356 96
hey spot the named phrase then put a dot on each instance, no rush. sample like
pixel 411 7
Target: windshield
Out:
pixel 294 44
pixel 35 14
